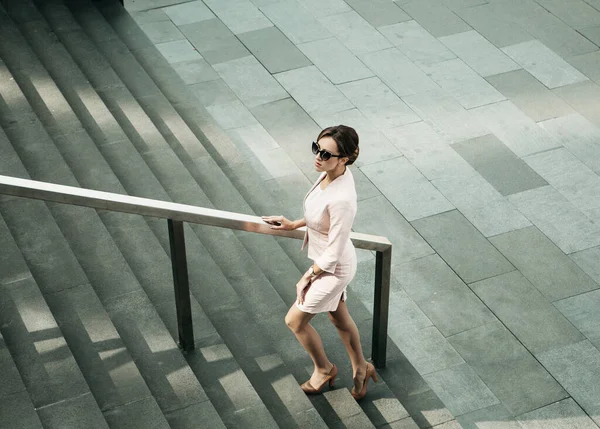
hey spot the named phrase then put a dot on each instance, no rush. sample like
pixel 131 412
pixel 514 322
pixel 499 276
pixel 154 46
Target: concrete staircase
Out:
pixel 87 313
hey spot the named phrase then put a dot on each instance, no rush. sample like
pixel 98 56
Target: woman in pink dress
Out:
pixel 329 210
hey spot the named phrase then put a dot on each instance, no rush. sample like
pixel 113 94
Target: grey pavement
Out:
pixel 479 123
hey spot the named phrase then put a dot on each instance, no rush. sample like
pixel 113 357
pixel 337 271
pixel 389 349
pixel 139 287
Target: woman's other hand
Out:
pixel 279 222
pixel 301 289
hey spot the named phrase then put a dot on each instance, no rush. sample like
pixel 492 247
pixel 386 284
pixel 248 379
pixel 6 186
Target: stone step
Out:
pixel 246 289
pixel 88 332
pixel 39 371
pixel 159 310
pixel 47 162
pixel 16 408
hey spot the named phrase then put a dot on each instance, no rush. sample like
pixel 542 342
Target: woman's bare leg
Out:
pixel 348 332
pixel 298 322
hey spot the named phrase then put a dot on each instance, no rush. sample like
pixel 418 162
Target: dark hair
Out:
pixel 346 139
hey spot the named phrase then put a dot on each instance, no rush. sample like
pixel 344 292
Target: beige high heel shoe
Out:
pixel 370 373
pixel 330 378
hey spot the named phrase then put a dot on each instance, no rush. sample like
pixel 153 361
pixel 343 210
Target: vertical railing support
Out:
pixel 383 268
pixel 182 286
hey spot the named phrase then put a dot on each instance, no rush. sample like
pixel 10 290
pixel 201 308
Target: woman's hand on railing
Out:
pixel 280 222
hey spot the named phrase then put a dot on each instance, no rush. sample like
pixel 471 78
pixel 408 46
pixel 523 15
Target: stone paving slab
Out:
pixel 563 414
pixel 408 244
pixel 355 32
pixel 579 136
pixel 482 56
pixel 398 72
pixel 195 71
pixel 240 16
pixel 455 311
pixel 250 81
pixel 379 13
pixel 543 263
pixel 303 28
pixel 426 277
pixel 577 369
pixel 559 219
pixel 547 28
pixel 313 91
pixel 161 31
pixel 417 43
pixel 545 65
pixel 441 109
pixel 214 41
pixel 378 103
pixel 517 131
pixel 275 51
pixel 582 312
pixel 514 375
pixel 427 350
pixel 575 13
pixel 147 16
pixel 461 389
pixel 463 248
pixel 583 98
pixel 481 204
pixel 588 65
pixel 429 151
pixel 571 178
pixel 592 34
pixel 530 95
pixel 406 188
pixel 435 17
pixel 587 261
pixel 498 165
pixel 496 27
pixel 178 51
pixel 335 60
pixel 525 311
pixel 325 7
pixel 188 12
pixel 404 314
pixel 231 115
pixel 494 417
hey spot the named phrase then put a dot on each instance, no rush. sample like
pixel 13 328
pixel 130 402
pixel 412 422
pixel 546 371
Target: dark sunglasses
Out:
pixel 324 154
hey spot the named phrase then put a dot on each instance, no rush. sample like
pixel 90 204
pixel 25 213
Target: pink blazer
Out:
pixel 329 219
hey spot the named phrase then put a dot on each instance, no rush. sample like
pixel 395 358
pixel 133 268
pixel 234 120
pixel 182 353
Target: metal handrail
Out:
pixel 176 214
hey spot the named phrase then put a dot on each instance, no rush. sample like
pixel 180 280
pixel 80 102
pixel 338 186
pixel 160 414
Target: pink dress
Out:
pixel 329 214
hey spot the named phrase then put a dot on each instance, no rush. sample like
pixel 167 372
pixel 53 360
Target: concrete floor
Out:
pixel 479 123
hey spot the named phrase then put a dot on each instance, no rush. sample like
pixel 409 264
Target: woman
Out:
pixel 329 209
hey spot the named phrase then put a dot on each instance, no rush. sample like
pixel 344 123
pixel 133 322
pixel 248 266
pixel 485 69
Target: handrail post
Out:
pixel 383 268
pixel 181 284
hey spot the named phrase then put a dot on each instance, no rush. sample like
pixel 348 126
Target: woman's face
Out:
pixel 328 144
